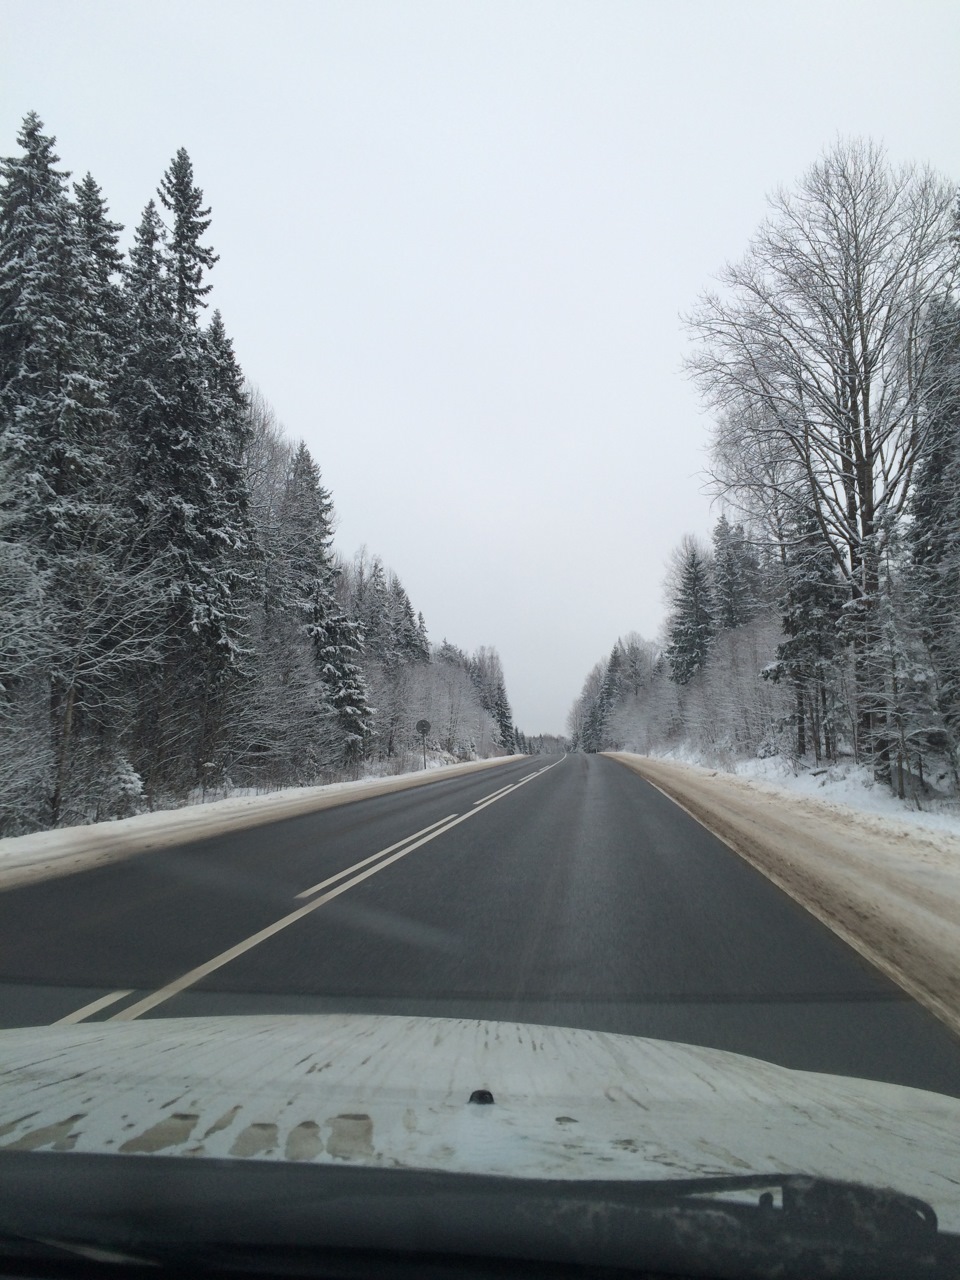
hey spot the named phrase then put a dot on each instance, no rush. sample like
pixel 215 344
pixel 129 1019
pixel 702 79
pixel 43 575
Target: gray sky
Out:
pixel 456 237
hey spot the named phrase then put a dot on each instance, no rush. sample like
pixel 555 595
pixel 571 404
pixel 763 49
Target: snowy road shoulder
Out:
pixel 69 849
pixel 890 887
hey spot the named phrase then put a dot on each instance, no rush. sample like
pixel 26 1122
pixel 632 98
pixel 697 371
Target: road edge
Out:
pixel 69 850
pixel 746 846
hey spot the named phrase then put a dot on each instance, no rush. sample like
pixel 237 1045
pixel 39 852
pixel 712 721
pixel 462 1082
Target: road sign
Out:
pixel 423 728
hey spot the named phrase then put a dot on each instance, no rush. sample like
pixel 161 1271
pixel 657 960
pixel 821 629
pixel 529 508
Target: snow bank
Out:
pixel 69 849
pixel 888 884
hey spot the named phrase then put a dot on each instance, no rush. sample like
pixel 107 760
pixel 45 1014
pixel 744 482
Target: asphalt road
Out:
pixel 581 897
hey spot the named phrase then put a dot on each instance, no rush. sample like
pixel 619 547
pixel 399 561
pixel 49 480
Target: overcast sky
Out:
pixel 456 240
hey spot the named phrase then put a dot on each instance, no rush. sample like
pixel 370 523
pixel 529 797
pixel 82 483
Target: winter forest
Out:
pixel 174 620
pixel 823 620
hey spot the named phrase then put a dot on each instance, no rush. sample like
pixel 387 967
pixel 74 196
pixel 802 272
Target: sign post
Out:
pixel 423 728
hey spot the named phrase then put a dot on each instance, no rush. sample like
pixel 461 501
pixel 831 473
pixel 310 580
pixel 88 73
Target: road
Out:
pixel 560 890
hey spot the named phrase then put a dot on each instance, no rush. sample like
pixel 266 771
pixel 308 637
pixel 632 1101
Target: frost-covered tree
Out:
pixel 812 608
pixel 188 260
pixel 98 242
pixel 310 595
pixel 54 402
pixel 821 341
pixel 934 533
pixel 583 720
pixel 736 576
pixel 692 624
pixel 181 407
pixel 172 613
pixel 63 460
pixel 486 671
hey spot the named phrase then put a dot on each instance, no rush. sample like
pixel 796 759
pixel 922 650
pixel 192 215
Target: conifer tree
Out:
pixel 423 641
pixel 59 448
pixel 53 401
pixel 99 239
pixel 503 715
pixel 812 607
pixel 181 405
pixel 934 533
pixel 188 258
pixel 692 624
pixel 734 579
pixel 336 641
pixel 338 644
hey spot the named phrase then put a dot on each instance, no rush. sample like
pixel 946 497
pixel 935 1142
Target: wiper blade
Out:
pixel 210 1214
pixel 831 1204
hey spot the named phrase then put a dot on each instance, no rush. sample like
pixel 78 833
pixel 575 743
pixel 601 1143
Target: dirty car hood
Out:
pixel 393 1092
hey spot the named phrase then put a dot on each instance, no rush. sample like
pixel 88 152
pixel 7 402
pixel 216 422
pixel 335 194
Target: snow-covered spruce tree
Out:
pixel 341 714
pixel 692 624
pixel 423 640
pixel 338 646
pixel 736 576
pixel 585 721
pixel 54 409
pixel 188 260
pixel 812 607
pixel 99 238
pixel 596 735
pixel 914 725
pixel 934 533
pixel 409 633
pixel 486 671
pixel 164 451
pixel 58 333
pixel 228 670
pixel 180 404
pixel 25 659
pixel 503 716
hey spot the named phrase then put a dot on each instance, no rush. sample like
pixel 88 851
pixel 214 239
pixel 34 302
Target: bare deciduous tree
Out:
pixel 819 346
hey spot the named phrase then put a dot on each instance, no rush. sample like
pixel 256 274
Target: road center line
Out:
pixel 494 794
pixel 88 1010
pixel 190 978
pixel 308 893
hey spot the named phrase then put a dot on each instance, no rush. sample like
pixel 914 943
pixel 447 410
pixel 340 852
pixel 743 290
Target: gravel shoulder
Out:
pixel 66 850
pixel 890 889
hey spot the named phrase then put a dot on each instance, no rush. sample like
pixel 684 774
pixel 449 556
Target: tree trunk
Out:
pixel 63 746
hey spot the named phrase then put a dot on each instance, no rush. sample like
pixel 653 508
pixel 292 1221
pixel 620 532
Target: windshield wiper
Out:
pixel 229 1216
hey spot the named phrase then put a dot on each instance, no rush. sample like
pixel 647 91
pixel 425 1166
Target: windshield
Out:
pixel 367 372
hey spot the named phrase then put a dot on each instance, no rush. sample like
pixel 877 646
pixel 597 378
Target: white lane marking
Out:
pixel 201 971
pixel 210 966
pixel 493 794
pixel 497 795
pixel 93 1007
pixel 308 893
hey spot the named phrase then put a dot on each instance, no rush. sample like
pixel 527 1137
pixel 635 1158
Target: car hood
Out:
pixel 394 1092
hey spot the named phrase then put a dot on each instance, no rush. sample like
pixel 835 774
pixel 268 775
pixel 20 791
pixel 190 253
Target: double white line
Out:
pixel 365 868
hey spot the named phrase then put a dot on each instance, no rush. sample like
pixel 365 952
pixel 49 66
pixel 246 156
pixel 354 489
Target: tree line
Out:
pixel 824 620
pixel 174 618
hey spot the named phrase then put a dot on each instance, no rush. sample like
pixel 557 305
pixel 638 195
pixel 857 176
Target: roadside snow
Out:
pixel 69 849
pixel 888 882
pixel 852 785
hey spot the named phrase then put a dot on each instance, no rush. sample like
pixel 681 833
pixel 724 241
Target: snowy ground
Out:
pixel 68 849
pixel 887 879
pixel 843 783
